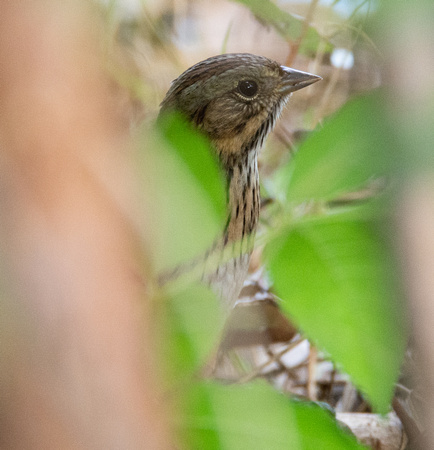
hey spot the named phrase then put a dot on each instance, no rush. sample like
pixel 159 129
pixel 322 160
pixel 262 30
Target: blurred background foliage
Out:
pixel 328 183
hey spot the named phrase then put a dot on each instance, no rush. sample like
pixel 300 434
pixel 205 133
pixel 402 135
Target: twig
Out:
pixel 296 45
pixel 311 374
pixel 274 358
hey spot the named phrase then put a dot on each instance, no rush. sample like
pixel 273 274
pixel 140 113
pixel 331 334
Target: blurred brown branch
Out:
pixel 75 372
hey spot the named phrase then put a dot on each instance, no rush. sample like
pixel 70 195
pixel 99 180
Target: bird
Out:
pixel 235 100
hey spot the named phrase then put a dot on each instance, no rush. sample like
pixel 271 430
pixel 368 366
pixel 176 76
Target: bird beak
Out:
pixel 293 80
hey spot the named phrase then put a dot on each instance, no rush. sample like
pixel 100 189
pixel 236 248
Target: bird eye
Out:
pixel 248 88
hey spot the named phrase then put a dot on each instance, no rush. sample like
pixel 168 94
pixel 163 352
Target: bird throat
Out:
pixel 243 201
pixel 241 168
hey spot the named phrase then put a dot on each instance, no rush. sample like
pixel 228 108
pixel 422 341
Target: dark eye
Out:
pixel 248 88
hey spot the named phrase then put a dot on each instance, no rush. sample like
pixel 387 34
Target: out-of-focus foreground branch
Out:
pixel 408 41
pixel 74 370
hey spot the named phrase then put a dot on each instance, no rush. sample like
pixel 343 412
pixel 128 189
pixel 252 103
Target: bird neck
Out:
pixel 243 192
pixel 239 158
pixel 238 154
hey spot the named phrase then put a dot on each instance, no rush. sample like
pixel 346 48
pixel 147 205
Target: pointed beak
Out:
pixel 293 80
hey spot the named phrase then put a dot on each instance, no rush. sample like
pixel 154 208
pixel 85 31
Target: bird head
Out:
pixel 235 99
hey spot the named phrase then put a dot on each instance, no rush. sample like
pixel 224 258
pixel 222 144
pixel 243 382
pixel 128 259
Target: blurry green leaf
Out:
pixel 194 150
pixel 185 191
pixel 284 23
pixel 335 277
pixel 256 417
pixel 348 151
pixel 191 324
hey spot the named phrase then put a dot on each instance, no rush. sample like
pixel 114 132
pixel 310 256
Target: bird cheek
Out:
pixel 219 119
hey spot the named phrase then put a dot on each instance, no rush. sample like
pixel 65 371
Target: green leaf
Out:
pixel 346 153
pixel 190 325
pixel 255 417
pixel 195 151
pixel 288 26
pixel 185 193
pixel 337 282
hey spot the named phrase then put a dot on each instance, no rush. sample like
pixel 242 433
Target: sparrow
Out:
pixel 234 100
